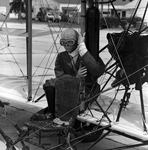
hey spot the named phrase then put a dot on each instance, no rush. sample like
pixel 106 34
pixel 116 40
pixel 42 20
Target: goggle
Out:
pixel 64 42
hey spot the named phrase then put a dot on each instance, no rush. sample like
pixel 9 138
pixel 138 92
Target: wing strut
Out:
pixel 29 46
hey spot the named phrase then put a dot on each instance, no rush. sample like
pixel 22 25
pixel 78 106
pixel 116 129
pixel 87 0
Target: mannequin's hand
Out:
pixel 81 38
pixel 82 72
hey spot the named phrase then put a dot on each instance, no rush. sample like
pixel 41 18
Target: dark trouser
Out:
pixel 50 96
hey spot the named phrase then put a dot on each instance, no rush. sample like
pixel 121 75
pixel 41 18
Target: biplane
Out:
pixel 113 108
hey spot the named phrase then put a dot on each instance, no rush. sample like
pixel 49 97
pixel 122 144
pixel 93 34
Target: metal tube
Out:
pixel 29 46
pixel 83 11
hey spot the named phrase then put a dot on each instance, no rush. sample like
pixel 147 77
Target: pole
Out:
pixel 102 8
pixel 29 46
pixel 83 11
pixel 82 93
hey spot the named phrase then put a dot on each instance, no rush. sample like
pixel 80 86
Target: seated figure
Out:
pixel 75 61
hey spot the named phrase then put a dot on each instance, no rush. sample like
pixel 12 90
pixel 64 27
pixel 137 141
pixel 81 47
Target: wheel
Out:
pixel 81 128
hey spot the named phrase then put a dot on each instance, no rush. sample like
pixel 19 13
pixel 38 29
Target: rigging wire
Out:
pixel 54 43
pixel 43 5
pixel 72 109
pixel 127 77
pixel 120 41
pixel 45 126
pixel 62 115
pixel 15 63
pixel 7 15
pixel 75 108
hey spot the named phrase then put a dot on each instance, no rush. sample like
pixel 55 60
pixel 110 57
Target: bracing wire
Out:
pixel 15 63
pixel 75 108
pixel 57 49
pixel 54 40
pixel 37 131
pixel 127 76
pixel 71 110
pixel 43 5
pixel 120 40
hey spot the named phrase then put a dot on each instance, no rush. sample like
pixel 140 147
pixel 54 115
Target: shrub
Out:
pixel 109 22
pixel 112 22
pixel 135 20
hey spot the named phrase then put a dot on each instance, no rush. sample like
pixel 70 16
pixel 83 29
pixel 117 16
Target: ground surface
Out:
pixel 13 87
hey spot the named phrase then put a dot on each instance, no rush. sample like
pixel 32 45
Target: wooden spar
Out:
pixel 97 6
pixel 83 11
pixel 82 94
pixel 29 46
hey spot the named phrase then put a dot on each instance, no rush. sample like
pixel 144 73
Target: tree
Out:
pixel 18 7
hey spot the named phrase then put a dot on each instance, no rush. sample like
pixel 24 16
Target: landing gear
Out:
pixel 83 128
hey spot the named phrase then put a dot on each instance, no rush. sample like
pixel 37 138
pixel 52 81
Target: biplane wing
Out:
pixel 122 116
pixel 129 124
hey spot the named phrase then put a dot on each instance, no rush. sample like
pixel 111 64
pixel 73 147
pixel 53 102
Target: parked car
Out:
pixel 52 17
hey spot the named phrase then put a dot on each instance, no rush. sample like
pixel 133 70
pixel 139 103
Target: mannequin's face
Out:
pixel 69 44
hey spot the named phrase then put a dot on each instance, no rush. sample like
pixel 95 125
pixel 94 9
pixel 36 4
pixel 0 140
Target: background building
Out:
pixel 72 8
pixel 130 8
pixel 4 8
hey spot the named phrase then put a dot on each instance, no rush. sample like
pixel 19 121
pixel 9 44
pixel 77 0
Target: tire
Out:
pixel 81 129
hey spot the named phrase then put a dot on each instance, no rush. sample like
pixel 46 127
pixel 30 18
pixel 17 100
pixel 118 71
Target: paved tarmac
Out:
pixel 13 84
